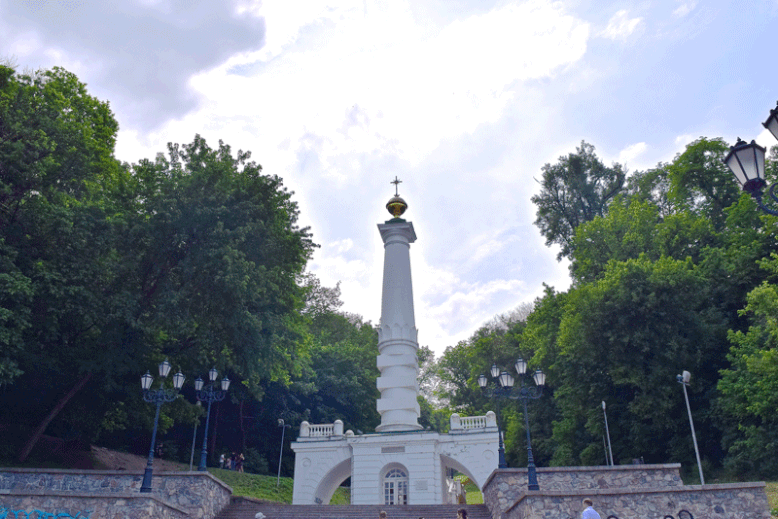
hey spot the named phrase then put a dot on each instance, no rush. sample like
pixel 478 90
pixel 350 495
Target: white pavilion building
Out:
pixel 399 463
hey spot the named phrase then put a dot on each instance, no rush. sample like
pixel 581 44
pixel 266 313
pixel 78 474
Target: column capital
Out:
pixel 397 229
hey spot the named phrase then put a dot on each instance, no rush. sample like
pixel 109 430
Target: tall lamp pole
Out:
pixel 684 381
pixel 284 427
pixel 607 432
pixel 209 395
pixel 194 437
pixel 482 381
pixel 157 397
pixel 524 393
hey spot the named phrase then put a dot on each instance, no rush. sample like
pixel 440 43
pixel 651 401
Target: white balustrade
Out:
pixel 321 430
pixel 463 423
pixel 473 422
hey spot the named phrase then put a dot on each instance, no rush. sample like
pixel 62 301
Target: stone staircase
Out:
pixel 247 508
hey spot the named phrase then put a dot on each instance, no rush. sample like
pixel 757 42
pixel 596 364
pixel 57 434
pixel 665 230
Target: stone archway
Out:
pixel 332 480
pixel 448 462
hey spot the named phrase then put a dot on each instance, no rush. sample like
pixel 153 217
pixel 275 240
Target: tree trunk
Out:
pixel 54 412
pixel 242 427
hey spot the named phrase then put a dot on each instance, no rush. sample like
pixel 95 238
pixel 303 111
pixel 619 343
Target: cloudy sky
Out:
pixel 463 100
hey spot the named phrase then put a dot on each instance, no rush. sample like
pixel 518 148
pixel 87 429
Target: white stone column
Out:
pixel 397 334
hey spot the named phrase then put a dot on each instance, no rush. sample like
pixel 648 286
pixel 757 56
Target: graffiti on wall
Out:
pixel 7 513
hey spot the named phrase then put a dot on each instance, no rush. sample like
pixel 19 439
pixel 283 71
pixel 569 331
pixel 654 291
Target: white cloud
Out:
pixel 766 139
pixel 631 152
pixel 411 92
pixel 681 141
pixel 620 26
pixel 467 307
pixel 341 95
pixel 685 8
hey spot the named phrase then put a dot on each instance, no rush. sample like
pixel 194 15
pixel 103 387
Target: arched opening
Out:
pixel 449 462
pixel 395 486
pixel 329 483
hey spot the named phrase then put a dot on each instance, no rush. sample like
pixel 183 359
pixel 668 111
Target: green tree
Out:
pixel 633 227
pixel 340 381
pixel 575 190
pixel 623 339
pixel 56 157
pixel 701 182
pixel 108 269
pixel 217 259
pixel 749 386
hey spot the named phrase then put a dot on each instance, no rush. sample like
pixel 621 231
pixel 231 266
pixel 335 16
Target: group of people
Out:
pixel 234 462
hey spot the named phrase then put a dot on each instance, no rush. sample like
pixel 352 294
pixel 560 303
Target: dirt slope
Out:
pixel 106 459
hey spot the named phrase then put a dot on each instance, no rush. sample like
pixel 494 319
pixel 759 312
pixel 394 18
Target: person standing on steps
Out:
pixel 589 511
pixel 381 515
pixel 461 513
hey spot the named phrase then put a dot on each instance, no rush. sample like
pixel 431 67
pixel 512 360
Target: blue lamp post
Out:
pixel 209 395
pixel 158 397
pixel 524 393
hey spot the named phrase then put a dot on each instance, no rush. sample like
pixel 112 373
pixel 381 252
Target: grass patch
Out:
pixel 473 495
pixel 264 487
pixel 772 497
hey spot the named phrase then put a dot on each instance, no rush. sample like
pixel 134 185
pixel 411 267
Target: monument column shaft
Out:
pixel 397 334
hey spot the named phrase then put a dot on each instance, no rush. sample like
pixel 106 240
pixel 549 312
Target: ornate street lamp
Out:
pixel 684 381
pixel 209 395
pixel 747 161
pixel 158 397
pixel 503 388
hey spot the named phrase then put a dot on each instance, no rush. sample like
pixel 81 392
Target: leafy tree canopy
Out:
pixel 575 190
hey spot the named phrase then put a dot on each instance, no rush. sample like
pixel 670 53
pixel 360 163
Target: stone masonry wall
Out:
pixel 731 501
pixel 195 494
pixel 624 492
pixel 64 505
pixel 505 486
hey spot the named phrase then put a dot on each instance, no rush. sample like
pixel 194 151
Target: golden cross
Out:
pixel 395 182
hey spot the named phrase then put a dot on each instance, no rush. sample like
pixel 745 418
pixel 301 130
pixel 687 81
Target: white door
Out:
pixel 396 487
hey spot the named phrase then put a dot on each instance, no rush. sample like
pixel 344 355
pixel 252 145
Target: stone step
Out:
pixel 247 508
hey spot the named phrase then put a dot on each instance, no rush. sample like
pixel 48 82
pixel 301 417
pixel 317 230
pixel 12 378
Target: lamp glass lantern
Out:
pixel 178 380
pixel 521 366
pixel 746 160
pixel 146 380
pixel 199 384
pixel 213 374
pixel 495 371
pixel 540 378
pixel 482 380
pixel 506 379
pixel 164 368
pixel 772 122
pixel 225 384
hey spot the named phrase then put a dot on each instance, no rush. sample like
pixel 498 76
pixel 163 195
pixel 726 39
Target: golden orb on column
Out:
pixel 396 206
